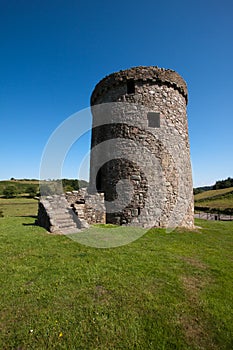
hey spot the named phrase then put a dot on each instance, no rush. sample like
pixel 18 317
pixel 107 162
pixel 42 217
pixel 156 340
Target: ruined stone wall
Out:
pixel 160 173
pixel 67 213
pixel 87 207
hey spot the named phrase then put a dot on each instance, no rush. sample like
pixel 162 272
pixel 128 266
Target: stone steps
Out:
pixel 60 215
pixel 61 220
pixel 66 224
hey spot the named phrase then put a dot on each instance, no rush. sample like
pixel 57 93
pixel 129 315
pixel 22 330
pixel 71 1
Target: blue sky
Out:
pixel 54 52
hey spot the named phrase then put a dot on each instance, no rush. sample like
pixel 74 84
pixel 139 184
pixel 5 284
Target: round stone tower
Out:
pixel 140 154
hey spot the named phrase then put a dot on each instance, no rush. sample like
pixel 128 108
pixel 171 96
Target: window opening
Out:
pixel 130 86
pixel 153 119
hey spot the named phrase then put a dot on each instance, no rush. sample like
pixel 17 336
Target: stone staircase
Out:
pixel 57 216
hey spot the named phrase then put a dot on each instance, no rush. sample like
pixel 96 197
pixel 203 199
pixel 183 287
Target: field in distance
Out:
pixel 221 199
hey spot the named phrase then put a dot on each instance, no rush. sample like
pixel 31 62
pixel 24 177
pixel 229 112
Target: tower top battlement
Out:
pixel 151 74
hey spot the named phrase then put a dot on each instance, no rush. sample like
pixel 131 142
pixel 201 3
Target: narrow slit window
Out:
pixel 130 86
pixel 153 120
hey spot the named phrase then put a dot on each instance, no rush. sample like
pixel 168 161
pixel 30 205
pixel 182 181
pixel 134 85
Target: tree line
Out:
pixel 223 184
pixel 220 184
pixel 32 190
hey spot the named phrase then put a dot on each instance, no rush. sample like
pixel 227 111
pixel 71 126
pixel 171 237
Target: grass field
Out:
pixel 213 193
pixel 215 199
pixel 218 203
pixel 163 291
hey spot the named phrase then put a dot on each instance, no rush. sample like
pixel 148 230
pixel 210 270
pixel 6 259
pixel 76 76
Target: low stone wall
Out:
pixel 88 207
pixel 43 218
pixel 70 212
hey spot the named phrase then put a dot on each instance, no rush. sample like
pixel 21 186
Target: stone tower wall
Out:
pixel 160 173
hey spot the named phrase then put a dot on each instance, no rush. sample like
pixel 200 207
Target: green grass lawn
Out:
pixel 163 291
pixel 19 206
pixel 213 193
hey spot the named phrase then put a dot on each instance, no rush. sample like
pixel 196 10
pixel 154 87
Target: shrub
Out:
pixel 10 191
pixel 68 188
pixel 31 190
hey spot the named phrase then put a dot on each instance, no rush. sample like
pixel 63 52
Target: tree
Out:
pixel 83 183
pixel 74 183
pixel 223 184
pixel 10 191
pixel 31 190
pixel 68 188
pixel 45 190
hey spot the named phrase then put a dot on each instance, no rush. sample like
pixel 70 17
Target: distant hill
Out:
pixel 220 184
pixel 22 185
pixel 215 200
pixel 202 189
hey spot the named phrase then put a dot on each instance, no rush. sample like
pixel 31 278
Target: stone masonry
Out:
pixel 140 170
pixel 144 110
pixel 71 212
pixel 89 208
pixel 56 216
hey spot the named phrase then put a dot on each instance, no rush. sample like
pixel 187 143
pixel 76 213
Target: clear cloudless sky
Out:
pixel 53 52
